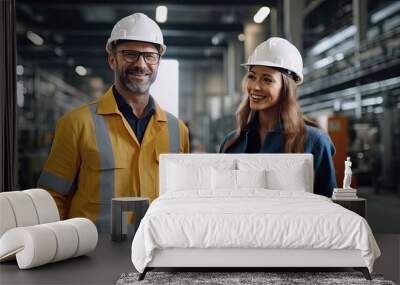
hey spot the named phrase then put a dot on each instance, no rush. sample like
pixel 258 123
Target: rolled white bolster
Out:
pixel 87 235
pixel 7 217
pixel 23 208
pixel 40 244
pixel 33 246
pixel 67 240
pixel 45 205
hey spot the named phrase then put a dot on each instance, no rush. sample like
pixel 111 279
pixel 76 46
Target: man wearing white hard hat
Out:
pixel 269 119
pixel 110 147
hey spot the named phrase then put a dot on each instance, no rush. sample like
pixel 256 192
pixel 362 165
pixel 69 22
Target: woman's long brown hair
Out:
pixel 293 120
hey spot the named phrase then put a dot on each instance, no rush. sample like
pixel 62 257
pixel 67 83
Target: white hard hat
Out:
pixel 280 53
pixel 137 27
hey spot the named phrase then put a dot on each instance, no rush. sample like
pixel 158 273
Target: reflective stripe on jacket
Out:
pixel 95 156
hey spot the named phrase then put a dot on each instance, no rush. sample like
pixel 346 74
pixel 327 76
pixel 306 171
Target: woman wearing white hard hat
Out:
pixel 269 119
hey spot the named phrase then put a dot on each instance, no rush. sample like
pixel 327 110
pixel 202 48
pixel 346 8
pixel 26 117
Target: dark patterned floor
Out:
pixel 243 278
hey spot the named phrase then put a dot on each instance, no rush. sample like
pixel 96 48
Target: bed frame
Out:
pixel 246 259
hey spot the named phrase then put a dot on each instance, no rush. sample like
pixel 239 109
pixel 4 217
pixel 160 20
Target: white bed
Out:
pixel 244 210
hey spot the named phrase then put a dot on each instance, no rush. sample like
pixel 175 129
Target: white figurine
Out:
pixel 347 174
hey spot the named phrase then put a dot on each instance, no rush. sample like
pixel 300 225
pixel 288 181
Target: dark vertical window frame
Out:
pixel 8 96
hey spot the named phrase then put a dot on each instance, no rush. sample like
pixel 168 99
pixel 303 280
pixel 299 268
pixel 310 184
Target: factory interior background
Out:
pixel 351 51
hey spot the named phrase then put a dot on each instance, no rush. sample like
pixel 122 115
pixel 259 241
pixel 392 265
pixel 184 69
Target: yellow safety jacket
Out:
pixel 96 156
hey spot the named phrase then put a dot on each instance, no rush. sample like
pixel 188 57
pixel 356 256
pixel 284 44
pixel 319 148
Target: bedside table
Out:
pixel 119 207
pixel 357 205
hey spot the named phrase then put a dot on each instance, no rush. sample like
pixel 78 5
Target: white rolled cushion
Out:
pixel 45 205
pixel 33 246
pixel 182 177
pixel 23 208
pixel 67 239
pixel 251 178
pixel 7 218
pixel 40 244
pixel 87 235
pixel 223 179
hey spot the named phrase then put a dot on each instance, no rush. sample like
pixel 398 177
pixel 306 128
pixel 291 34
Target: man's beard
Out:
pixel 134 86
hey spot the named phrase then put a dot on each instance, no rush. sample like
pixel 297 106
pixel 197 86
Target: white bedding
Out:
pixel 251 218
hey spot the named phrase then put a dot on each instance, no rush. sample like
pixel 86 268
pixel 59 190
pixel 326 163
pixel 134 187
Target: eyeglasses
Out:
pixel 132 56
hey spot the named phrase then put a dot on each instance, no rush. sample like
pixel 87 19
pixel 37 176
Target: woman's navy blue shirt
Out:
pixel 317 143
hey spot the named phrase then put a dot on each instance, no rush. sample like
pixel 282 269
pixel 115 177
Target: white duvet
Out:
pixel 253 218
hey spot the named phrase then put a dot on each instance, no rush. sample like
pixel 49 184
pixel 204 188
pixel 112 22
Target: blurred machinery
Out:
pixel 366 151
pixel 338 132
pixel 357 85
pixel 369 143
pixel 42 99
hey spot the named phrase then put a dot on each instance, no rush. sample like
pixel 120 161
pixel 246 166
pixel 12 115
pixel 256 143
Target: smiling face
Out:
pixel 263 87
pixel 135 77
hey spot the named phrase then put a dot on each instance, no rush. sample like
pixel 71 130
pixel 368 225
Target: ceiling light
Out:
pixel 339 56
pixel 20 69
pixel 58 38
pixel 58 51
pixel 261 14
pixel 70 61
pixel 217 38
pixel 323 62
pixel 35 38
pixel 161 14
pixel 385 12
pixel 332 40
pixel 80 70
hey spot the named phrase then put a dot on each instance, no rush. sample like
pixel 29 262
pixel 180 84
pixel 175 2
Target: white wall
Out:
pixel 165 89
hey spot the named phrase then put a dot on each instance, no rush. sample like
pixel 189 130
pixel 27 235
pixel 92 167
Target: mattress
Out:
pixel 250 219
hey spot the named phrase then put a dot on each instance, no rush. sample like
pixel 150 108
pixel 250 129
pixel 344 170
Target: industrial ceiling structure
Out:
pixel 75 32
pixel 63 36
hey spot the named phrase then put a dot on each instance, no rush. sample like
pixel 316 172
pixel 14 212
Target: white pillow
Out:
pixel 188 177
pixel 291 179
pixel 184 174
pixel 251 178
pixel 228 179
pixel 283 173
pixel 223 179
